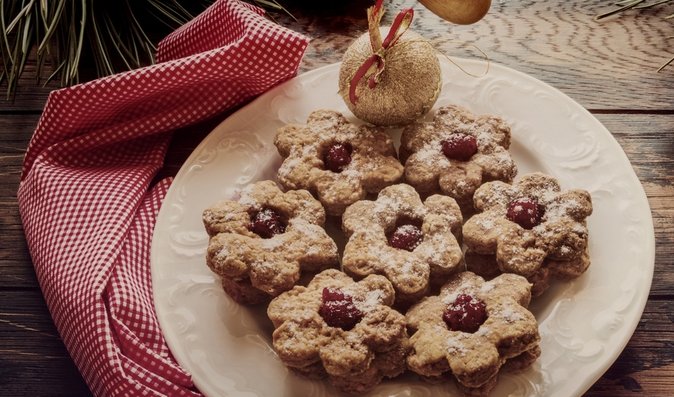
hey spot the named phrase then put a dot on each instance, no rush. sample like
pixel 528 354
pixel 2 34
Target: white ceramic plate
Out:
pixel 584 324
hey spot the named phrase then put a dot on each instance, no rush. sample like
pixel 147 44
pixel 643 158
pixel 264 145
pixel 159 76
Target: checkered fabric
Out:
pixel 86 197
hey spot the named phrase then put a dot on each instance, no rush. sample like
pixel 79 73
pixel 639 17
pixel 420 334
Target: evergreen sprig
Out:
pixel 75 36
pixel 625 5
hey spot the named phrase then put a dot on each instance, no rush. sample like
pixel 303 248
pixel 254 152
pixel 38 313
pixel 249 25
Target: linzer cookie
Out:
pixel 530 228
pixel 398 236
pixel 261 243
pixel 473 330
pixel 455 153
pixel 340 329
pixel 339 162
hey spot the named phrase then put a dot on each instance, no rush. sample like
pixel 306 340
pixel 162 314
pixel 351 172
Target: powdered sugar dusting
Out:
pixel 246 199
pixel 456 346
pixel 451 298
pixel 306 228
pixel 272 243
pixel 485 223
pixel 561 208
pixel 430 154
pixel 510 315
pixel 486 288
pixel 222 254
pixel 310 151
pixel 313 250
pixel 264 266
pixel 407 228
pixel 372 299
pixel 498 193
pixel 351 174
pixel 349 177
pixel 440 245
pixel 353 338
pixel 407 269
pixel 288 166
pixel 437 248
pixel 483 331
pixel 386 203
pixel 484 137
pixel 502 158
pixel 294 330
pixel 579 228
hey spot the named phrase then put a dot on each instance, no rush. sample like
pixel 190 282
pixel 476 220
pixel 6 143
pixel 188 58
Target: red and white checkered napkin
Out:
pixel 85 198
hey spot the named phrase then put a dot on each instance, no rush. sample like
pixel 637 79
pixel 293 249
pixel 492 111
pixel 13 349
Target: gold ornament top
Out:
pixel 375 64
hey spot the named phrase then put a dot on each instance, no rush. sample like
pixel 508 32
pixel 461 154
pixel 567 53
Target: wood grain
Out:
pixel 30 93
pixel 609 67
pixel 609 64
pixel 648 141
pixel 33 360
pixel 646 366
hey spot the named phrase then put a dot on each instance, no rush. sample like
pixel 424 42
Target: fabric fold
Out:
pixel 86 198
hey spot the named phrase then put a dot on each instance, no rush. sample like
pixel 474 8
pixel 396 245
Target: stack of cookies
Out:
pixel 444 250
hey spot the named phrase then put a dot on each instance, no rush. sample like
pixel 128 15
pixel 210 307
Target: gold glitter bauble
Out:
pixel 407 87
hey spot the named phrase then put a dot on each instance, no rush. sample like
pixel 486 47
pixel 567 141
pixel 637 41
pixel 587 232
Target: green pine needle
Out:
pixel 625 5
pixel 66 34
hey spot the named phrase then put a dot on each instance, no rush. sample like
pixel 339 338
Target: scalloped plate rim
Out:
pixel 175 344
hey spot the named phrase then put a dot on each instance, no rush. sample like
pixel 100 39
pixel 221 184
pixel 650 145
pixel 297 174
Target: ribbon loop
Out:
pixel 399 27
pixel 374 65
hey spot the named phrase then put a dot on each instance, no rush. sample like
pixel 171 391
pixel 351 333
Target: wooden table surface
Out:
pixel 609 67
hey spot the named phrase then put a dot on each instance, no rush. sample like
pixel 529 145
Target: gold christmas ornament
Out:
pixel 393 81
pixel 462 12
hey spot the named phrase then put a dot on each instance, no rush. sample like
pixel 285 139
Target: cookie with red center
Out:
pixel 410 242
pixel 263 241
pixel 266 223
pixel 338 310
pixel 473 330
pixel 340 329
pixel 459 146
pixel 455 153
pixel 336 160
pixel 525 211
pixel 337 156
pixel 466 313
pixel 406 237
pixel 531 228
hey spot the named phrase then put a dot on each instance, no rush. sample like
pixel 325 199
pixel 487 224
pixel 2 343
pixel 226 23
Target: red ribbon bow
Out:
pixel 375 63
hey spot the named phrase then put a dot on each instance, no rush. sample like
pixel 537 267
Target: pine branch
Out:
pixel 625 5
pixel 68 35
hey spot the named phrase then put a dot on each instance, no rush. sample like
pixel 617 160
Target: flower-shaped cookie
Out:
pixel 530 228
pixel 410 242
pixel 261 243
pixel 471 329
pixel 455 153
pixel 336 160
pixel 341 329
